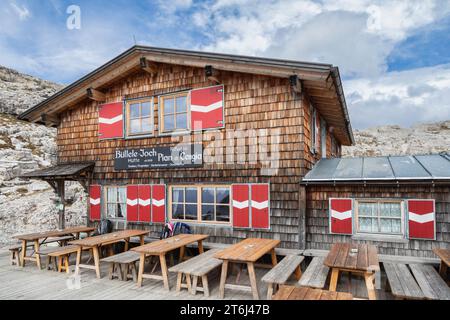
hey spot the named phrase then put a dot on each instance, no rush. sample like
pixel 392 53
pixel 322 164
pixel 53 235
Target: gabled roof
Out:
pixel 321 82
pixel 62 171
pixel 392 169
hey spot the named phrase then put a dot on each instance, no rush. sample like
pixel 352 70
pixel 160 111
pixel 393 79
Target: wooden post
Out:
pixel 302 216
pixel 61 209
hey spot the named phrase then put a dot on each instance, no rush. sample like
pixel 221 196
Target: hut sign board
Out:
pixel 180 156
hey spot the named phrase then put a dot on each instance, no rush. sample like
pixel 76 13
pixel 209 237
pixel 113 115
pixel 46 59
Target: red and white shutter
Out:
pixel 421 219
pixel 110 121
pixel 241 205
pixel 207 108
pixel 132 204
pixel 260 206
pixel 95 195
pixel 144 203
pixel 341 216
pixel 159 203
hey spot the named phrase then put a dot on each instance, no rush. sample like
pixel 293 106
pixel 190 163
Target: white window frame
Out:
pixel 105 203
pixel 379 201
pixel 161 99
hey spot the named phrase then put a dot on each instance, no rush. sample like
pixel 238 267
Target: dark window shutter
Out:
pixel 422 219
pixel 260 206
pixel 341 215
pixel 207 108
pixel 159 203
pixel 240 194
pixel 144 201
pixel 110 121
pixel 132 204
pixel 95 212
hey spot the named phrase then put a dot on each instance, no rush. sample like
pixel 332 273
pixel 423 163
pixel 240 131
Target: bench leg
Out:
pixel 38 257
pixel 66 264
pixel 205 285
pixel 370 279
pixel 298 273
pixel 270 291
pixel 443 270
pixel 194 285
pixel 179 279
pixel 97 262
pixel 120 272
pixel 188 282
pixel 111 271
pixel 133 271
pixel 60 264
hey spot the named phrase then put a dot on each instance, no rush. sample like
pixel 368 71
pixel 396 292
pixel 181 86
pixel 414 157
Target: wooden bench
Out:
pixel 402 282
pixel 315 275
pixel 281 273
pixel 121 264
pixel 430 282
pixel 198 266
pixel 61 257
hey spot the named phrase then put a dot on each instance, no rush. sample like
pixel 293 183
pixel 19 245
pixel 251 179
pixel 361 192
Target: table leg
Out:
pixel 142 240
pixel 298 273
pixel 182 249
pixel 370 279
pixel 77 266
pixel 38 257
pixel 66 263
pixel 443 270
pixel 96 261
pixel 274 258
pixel 141 269
pixel 252 275
pixel 127 241
pixel 223 279
pixel 200 246
pixel 165 272
pixel 334 279
pixel 24 253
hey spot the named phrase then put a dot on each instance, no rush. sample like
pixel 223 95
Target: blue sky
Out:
pixel 394 56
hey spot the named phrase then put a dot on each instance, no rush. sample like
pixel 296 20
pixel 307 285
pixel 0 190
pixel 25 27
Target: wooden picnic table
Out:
pixel 95 243
pixel 305 293
pixel 444 255
pixel 161 248
pixel 359 259
pixel 37 236
pixel 248 252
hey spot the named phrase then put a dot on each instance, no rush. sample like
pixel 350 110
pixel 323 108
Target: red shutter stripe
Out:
pixel 144 202
pixel 241 205
pixel 421 219
pixel 110 122
pixel 260 206
pixel 95 202
pixel 341 216
pixel 159 203
pixel 207 108
pixel 132 204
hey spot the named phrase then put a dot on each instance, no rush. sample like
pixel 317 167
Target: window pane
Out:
pixel 135 126
pixel 390 210
pixel 223 195
pixel 191 195
pixel 367 209
pixel 368 225
pixel 146 125
pixel 169 105
pixel 111 211
pixel 112 195
pixel 223 213
pixel 181 104
pixel 181 121
pixel 145 109
pixel 208 195
pixel 177 195
pixel 178 211
pixel 191 212
pixel 208 212
pixel 169 123
pixel 134 110
pixel 120 212
pixel 122 194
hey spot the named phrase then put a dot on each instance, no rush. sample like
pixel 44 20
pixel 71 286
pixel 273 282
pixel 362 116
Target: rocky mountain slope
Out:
pixel 27 205
pixel 19 92
pixel 422 138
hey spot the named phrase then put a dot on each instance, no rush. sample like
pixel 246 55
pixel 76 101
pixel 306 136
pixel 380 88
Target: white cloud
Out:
pixel 403 98
pixel 22 12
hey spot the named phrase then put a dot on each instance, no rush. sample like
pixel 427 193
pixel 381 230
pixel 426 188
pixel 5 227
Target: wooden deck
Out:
pixel 29 283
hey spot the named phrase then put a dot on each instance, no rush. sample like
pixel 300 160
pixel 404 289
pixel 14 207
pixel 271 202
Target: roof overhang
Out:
pixel 321 82
pixel 67 172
